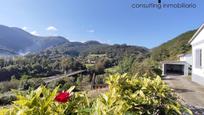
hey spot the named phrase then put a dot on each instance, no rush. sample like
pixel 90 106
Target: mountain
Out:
pixel 18 41
pixel 4 52
pixel 171 49
pixel 92 42
pixel 15 41
pixel 75 49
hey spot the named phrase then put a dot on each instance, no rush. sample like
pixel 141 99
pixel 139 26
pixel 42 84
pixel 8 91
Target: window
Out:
pixel 198 57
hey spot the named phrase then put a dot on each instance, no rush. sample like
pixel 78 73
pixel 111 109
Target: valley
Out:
pixel 105 57
pixel 56 61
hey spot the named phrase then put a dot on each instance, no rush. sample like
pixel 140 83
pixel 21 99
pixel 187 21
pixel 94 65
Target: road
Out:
pixel 191 92
pixel 57 77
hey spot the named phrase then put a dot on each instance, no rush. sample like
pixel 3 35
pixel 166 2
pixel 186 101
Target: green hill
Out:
pixel 171 49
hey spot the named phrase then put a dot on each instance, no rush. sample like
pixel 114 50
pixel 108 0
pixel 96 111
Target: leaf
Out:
pixel 51 97
pixel 105 97
pixel 188 111
pixel 71 89
pixel 39 90
pixel 175 108
pixel 21 102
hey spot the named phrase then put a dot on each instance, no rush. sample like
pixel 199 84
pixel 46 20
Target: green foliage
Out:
pixel 130 95
pixel 7 99
pixel 147 67
pixel 26 84
pixel 99 67
pixel 38 65
pixel 64 84
pixel 8 85
pixel 112 70
pixel 125 64
pixel 37 102
pixel 171 49
pixel 78 104
pixel 66 64
pixel 112 51
pixel 13 78
pixel 137 95
pixel 23 84
pixel 25 77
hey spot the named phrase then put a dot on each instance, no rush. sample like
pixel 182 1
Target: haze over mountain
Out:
pixel 17 41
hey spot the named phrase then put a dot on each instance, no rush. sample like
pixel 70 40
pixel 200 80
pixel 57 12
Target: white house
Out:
pixel 187 58
pixel 197 43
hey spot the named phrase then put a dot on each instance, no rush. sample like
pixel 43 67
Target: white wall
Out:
pixel 198 71
pixel 199 38
pixel 187 58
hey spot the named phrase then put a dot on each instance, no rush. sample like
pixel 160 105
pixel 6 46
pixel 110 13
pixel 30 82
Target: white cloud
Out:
pixel 51 28
pixel 91 31
pixel 25 28
pixel 34 33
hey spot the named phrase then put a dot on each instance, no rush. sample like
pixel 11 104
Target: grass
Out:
pixel 89 65
pixel 97 55
pixel 112 69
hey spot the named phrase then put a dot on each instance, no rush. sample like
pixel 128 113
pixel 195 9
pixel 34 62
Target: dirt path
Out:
pixel 52 78
pixel 192 93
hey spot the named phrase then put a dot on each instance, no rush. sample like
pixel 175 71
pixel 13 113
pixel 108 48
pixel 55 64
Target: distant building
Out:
pixel 197 43
pixel 175 68
pixel 186 57
pixel 183 66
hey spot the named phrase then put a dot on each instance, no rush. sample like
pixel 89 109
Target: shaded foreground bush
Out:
pixel 7 99
pixel 127 95
pixel 8 85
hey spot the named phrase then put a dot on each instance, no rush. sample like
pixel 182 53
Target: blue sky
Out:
pixel 108 21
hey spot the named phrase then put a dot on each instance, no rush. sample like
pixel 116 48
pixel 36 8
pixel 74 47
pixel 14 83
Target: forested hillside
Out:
pixel 93 47
pixel 171 49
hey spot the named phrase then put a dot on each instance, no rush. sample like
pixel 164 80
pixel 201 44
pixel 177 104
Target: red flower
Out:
pixel 63 97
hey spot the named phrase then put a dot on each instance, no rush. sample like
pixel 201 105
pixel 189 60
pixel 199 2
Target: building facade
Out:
pixel 197 43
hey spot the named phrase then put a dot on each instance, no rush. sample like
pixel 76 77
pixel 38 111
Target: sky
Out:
pixel 107 21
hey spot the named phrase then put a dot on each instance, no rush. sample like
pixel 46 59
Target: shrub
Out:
pixel 26 83
pixel 37 102
pixel 132 95
pixel 148 67
pixel 7 99
pixel 64 84
pixel 138 95
pixel 42 102
pixel 8 85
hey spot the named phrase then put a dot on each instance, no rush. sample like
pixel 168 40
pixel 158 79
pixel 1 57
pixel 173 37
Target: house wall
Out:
pixel 198 73
pixel 187 58
pixel 199 38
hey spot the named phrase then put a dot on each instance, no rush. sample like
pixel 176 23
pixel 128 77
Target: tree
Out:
pixel 99 67
pixel 125 64
pixel 1 62
pixel 147 67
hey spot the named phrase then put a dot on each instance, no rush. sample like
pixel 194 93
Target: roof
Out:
pixel 196 34
pixel 173 62
pixel 182 55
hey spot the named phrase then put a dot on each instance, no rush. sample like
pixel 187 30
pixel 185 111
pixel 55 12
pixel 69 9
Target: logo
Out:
pixel 162 5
